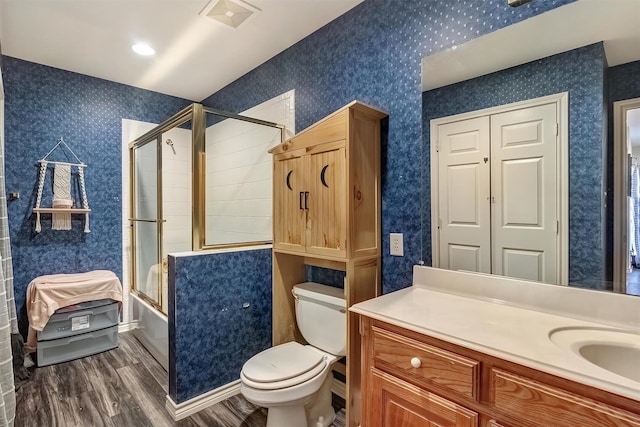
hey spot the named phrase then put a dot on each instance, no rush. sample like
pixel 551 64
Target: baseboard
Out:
pixel 339 388
pixel 191 406
pixel 128 326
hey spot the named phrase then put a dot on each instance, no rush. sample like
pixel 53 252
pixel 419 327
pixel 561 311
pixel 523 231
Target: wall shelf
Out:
pixel 61 210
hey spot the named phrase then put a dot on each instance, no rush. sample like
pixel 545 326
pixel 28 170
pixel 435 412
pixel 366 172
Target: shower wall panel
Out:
pixel 239 173
pixel 176 190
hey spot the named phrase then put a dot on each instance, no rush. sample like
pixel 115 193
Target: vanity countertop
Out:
pixel 456 311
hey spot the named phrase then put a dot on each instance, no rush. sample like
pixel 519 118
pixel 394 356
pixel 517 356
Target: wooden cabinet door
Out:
pixel 289 192
pixel 327 203
pixel 394 403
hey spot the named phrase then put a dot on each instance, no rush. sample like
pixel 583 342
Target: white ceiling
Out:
pixel 584 22
pixel 196 55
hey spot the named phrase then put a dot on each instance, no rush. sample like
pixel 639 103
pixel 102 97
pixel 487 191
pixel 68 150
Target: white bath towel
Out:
pixel 62 196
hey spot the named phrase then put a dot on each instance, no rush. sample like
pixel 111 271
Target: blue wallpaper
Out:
pixel 624 82
pixel 219 317
pixel 579 72
pixel 373 53
pixel 42 104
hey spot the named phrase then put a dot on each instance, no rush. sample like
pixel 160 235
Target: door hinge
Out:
pixel 557 227
pixel 557 129
pixel 437 146
pixel 439 224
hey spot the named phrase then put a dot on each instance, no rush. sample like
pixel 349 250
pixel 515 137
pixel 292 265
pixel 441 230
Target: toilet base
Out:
pixel 321 406
pixel 287 416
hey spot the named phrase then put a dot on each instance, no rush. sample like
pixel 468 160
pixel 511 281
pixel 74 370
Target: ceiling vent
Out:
pixel 230 12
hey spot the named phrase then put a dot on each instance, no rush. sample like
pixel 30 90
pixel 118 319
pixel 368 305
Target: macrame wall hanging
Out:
pixel 62 204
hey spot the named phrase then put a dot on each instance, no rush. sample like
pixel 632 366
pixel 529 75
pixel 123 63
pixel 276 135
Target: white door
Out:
pixel 463 181
pixel 497 194
pixel 524 200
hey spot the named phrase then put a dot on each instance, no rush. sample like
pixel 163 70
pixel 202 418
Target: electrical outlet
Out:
pixel 396 245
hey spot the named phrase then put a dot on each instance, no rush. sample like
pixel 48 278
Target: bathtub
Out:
pixel 151 329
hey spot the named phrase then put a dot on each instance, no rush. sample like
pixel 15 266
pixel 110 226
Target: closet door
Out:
pixel 463 193
pixel 524 189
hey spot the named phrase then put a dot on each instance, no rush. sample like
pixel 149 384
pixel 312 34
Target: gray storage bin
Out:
pixel 85 305
pixel 69 348
pixel 79 319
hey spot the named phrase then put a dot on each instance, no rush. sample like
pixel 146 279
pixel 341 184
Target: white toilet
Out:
pixel 293 381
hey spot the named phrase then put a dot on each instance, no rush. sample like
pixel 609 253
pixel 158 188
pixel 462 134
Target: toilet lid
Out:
pixel 283 362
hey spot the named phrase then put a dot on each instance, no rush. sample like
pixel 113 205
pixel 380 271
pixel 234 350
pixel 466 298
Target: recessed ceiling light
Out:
pixel 143 49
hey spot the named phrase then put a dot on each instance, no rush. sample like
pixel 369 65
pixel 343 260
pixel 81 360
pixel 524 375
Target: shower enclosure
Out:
pixel 199 180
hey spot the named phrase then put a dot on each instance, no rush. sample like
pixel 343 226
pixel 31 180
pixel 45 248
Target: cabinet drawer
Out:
pixel 549 406
pixel 79 319
pixel 65 349
pixel 406 357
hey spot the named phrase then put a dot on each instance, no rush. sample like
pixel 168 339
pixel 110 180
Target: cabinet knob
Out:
pixel 415 362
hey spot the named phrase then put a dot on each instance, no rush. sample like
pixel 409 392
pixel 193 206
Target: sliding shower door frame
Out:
pixel 196 113
pixel 153 136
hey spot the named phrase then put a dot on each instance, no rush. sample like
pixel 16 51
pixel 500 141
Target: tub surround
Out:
pixel 510 319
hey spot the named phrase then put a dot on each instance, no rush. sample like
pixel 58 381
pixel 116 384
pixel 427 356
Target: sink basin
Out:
pixel 611 349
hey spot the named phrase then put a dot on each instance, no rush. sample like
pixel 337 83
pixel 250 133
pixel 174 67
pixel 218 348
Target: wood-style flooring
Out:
pixel 633 282
pixel 122 387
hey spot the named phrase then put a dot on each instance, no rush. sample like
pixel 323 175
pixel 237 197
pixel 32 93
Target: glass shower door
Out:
pixel 146 222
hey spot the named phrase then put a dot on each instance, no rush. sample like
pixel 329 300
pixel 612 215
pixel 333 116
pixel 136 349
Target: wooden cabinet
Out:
pixel 326 213
pixel 394 403
pixel 416 380
pixel 309 186
pixel 326 187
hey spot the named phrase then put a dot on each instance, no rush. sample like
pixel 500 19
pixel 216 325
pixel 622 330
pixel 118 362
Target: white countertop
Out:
pixel 499 328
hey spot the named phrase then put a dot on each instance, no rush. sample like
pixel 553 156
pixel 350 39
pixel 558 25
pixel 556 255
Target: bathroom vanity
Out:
pixel 463 349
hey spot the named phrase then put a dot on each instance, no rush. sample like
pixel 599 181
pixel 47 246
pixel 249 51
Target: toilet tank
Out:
pixel 321 314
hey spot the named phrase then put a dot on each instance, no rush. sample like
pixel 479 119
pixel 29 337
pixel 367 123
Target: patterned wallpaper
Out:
pixel 373 53
pixel 42 104
pixel 218 318
pixel 581 73
pixel 624 82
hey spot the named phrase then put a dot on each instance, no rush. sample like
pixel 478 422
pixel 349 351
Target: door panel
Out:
pixel 395 403
pixel 146 224
pixel 464 195
pixel 289 190
pixel 522 182
pixel 528 265
pixel 524 188
pixel 326 203
pixel 465 258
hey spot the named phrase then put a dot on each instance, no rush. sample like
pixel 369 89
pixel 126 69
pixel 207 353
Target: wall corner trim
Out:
pixel 198 403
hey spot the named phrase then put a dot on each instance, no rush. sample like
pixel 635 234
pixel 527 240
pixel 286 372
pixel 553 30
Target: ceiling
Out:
pixel 577 24
pixel 195 55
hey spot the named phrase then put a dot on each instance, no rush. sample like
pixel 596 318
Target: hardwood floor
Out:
pixel 633 282
pixel 122 387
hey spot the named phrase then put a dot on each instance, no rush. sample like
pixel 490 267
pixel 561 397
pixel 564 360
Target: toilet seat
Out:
pixel 283 366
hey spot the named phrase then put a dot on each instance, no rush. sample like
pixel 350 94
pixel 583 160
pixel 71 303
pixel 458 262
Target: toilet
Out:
pixel 293 381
